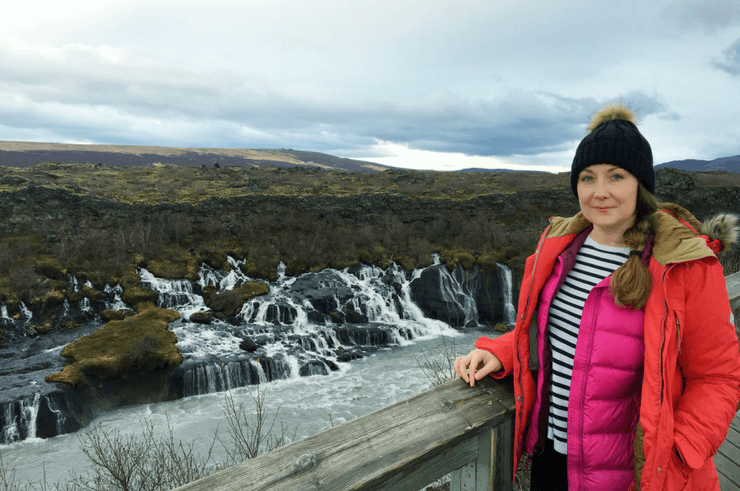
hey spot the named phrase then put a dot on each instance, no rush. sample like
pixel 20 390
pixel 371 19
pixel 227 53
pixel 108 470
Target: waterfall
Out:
pixel 217 377
pixel 19 419
pixel 26 313
pixel 456 291
pixel 508 293
pixel 117 303
pixel 307 325
pixel 84 305
pixel 173 294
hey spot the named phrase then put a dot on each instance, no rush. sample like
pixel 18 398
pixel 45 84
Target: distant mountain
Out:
pixel 727 164
pixel 27 154
pixel 481 169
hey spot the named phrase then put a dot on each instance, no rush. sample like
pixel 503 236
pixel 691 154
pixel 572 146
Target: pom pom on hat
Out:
pixel 612 112
pixel 614 139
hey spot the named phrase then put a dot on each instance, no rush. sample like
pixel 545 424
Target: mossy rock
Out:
pixel 49 267
pixel 126 348
pixel 90 292
pixel 501 327
pixel 487 262
pixel 230 302
pixel 202 317
pixel 129 278
pixel 45 327
pixel 71 375
pixel 54 298
pixel 178 264
pixel 135 295
pixel 111 315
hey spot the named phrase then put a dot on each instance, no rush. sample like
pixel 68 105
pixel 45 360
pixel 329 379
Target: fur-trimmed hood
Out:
pixel 679 236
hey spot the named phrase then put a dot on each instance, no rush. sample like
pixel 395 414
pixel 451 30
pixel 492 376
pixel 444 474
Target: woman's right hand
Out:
pixel 476 365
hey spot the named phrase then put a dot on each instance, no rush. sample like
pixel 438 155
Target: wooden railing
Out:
pixel 450 428
pixel 733 290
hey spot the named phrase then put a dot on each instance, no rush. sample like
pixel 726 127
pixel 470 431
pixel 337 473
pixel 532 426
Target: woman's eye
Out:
pixel 586 178
pixel 617 176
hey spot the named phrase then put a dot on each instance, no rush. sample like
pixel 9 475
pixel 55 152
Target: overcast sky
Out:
pixel 432 84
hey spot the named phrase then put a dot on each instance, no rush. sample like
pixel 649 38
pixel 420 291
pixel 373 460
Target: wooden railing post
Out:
pixel 733 291
pixel 492 468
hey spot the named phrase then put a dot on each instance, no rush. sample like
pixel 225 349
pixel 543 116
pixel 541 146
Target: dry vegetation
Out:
pixel 184 228
pixel 178 184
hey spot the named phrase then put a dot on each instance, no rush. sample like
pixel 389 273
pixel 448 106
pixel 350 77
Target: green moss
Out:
pixel 122 349
pixel 230 302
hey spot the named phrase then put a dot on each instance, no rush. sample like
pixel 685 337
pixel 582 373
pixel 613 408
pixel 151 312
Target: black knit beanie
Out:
pixel 614 139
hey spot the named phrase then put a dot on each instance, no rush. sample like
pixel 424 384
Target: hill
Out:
pixel 28 154
pixel 726 164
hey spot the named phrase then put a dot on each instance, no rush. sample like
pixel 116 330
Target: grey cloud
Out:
pixel 112 96
pixel 731 63
pixel 709 15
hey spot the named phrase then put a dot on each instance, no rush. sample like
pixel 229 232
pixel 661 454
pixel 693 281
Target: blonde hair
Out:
pixel 630 283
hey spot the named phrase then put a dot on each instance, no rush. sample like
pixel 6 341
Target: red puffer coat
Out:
pixel 691 380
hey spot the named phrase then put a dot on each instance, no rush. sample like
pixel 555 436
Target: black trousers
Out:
pixel 549 471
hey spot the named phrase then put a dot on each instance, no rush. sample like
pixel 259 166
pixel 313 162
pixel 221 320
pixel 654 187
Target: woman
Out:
pixel 624 355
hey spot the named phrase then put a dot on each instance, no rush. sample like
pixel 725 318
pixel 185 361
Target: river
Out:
pixel 305 405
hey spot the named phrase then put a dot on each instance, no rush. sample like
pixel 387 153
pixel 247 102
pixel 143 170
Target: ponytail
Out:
pixel 630 283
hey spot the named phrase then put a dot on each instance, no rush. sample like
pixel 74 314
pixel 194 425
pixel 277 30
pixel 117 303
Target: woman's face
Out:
pixel 608 198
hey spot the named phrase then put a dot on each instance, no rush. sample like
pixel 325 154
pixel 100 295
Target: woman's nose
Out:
pixel 601 189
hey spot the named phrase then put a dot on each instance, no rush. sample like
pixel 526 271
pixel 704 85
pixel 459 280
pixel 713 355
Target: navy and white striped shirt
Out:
pixel 594 262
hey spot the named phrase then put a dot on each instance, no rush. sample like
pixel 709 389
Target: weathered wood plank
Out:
pixel 733 291
pixel 733 437
pixel 727 459
pixel 504 455
pixel 400 447
pixel 727 468
pixel 726 485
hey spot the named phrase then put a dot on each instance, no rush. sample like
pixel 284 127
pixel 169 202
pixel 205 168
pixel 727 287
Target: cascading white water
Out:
pixel 84 305
pixel 173 294
pixel 293 344
pixel 117 303
pixel 20 419
pixel 508 289
pixel 291 331
pixel 25 312
pixel 455 292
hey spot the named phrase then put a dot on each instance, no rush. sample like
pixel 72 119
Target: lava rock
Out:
pixel 204 317
pixel 248 345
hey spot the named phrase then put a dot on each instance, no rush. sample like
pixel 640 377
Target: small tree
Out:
pixel 251 436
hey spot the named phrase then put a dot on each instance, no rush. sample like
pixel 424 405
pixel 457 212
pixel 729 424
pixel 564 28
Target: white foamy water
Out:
pixel 306 404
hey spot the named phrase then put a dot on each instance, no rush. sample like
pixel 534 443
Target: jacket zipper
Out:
pixel 678 327
pixel 662 343
pixel 526 309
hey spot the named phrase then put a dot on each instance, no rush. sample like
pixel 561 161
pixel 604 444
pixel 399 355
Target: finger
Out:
pixel 474 360
pixel 486 369
pixel 462 369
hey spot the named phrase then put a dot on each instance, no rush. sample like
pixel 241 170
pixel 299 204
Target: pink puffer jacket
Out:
pixel 605 385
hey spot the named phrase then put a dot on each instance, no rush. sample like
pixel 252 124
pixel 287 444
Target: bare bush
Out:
pixel 251 436
pixel 139 462
pixel 438 365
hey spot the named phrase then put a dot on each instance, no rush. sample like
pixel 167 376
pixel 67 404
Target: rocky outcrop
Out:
pixel 122 349
pixel 463 297
pixel 230 302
